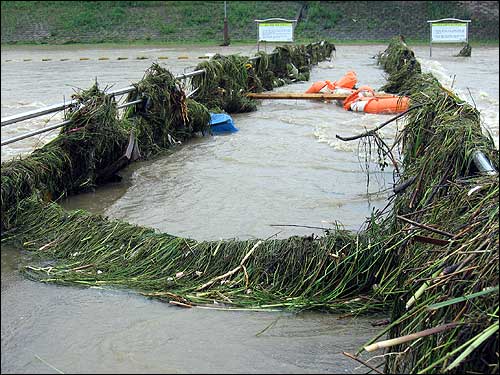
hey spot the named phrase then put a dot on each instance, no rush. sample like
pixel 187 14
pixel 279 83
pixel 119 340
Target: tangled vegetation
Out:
pixel 73 161
pixel 96 143
pixel 228 79
pixel 447 268
pixel 294 273
pixel 166 115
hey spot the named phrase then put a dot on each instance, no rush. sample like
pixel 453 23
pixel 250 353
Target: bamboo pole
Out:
pixel 300 95
pixel 411 337
pixel 295 95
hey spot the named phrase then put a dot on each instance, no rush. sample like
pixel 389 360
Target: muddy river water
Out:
pixel 283 167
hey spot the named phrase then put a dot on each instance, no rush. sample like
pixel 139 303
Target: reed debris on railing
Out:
pixel 450 212
pixel 94 145
pixel 72 161
pixel 229 78
pixel 166 115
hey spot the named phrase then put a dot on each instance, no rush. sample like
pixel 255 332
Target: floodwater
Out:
pixel 284 166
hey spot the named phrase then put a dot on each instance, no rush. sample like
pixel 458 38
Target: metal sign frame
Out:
pixel 275 21
pixel 448 20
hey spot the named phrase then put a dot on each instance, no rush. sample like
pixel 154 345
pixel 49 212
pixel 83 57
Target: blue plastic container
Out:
pixel 221 123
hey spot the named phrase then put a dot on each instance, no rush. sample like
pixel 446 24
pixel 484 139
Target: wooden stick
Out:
pixel 402 186
pixel 370 132
pixel 47 245
pixel 297 225
pixel 180 304
pixel 300 95
pixel 48 364
pixel 82 267
pixel 250 252
pixel 165 294
pixel 382 322
pixel 362 362
pixel 438 231
pixel 431 240
pixel 411 337
pixel 296 95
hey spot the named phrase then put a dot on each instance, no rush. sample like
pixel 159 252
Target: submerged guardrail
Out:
pixel 62 106
pixel 165 116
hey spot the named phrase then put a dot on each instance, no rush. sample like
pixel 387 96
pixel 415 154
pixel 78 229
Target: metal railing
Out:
pixel 62 106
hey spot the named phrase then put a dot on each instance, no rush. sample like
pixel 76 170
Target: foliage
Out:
pixel 202 21
pixel 449 198
pixel 228 79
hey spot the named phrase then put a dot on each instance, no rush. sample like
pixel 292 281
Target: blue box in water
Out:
pixel 221 123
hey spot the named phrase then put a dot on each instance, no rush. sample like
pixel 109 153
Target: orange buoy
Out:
pixel 348 81
pixel 316 87
pixel 363 91
pixel 364 100
pixel 396 104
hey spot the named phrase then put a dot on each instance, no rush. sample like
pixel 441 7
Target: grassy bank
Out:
pixel 67 22
pixel 208 44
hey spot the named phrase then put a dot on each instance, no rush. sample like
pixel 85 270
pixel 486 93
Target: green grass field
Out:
pixel 172 22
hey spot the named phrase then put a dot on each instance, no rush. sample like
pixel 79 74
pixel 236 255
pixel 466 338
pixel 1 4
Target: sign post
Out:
pixel 226 32
pixel 448 30
pixel 275 30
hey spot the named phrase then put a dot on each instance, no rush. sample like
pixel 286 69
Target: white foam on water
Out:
pixel 11 106
pixel 437 70
pixel 358 124
pixel 36 104
pixel 487 98
pixel 487 105
pixel 323 135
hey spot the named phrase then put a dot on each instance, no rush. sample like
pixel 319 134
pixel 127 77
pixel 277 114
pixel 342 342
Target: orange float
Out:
pixel 348 81
pixel 364 100
pixel 316 87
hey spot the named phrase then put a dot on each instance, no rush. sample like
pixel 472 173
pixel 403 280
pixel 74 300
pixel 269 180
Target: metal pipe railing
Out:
pixel 55 108
pixel 61 124
pixel 129 104
pixel 35 132
pixel 35 113
pixel 61 106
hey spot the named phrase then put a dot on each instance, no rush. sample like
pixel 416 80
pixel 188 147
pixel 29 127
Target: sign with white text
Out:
pixel 448 32
pixel 276 32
